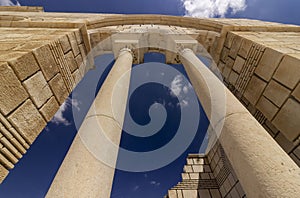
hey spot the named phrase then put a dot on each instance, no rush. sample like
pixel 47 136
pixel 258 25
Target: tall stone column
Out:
pixel 262 167
pixel 88 168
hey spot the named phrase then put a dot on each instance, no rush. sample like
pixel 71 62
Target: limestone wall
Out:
pixel 208 176
pixel 39 67
pixel 263 70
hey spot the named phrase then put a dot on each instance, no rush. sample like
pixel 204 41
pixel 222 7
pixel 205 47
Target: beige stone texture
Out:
pixel 65 44
pixel 254 89
pixel 172 194
pixel 28 121
pixel 3 173
pixel 233 77
pixel 38 89
pixel 288 72
pixel 12 91
pixel 296 159
pixel 74 44
pixel 236 43
pixel 46 61
pixel 245 48
pixel 238 64
pixel 71 61
pixel 296 93
pixel 286 144
pixel 24 66
pixel 59 88
pixel 49 109
pixel 268 63
pixel 287 120
pixel 190 193
pixel 276 93
pixel 9 146
pixel 9 155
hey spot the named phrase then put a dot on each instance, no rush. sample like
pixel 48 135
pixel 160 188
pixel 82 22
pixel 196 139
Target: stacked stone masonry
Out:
pixel 262 69
pixel 208 176
pixel 39 67
pixel 41 56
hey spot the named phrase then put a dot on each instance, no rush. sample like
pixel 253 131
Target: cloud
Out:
pixel 59 116
pixel 212 8
pixel 180 88
pixel 9 3
pixel 154 183
pixel 176 85
pixel 135 188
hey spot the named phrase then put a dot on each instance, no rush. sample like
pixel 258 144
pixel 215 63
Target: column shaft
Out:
pixel 262 167
pixel 84 171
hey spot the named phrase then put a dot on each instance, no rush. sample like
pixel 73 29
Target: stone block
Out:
pixel 215 193
pixel 204 193
pixel 254 89
pixel 172 194
pixel 82 50
pixel 233 77
pixel 188 169
pixel 287 120
pixel 236 43
pixel 190 193
pixel 297 151
pixel 59 88
pixel 74 44
pixel 78 36
pixel 267 108
pixel 71 61
pixel 229 62
pixel 3 173
pixel 285 144
pixel 229 39
pixel 224 54
pixel 28 121
pixel 296 93
pixel 194 175
pixel 288 72
pixel 65 44
pixel 245 48
pixel 11 89
pixel 24 66
pixel 79 60
pixel 238 64
pixel 38 89
pixel 49 109
pixel 198 168
pixel 276 93
pixel 46 61
pixel 296 159
pixel 268 64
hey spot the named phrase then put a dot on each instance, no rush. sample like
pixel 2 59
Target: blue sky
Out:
pixel 35 171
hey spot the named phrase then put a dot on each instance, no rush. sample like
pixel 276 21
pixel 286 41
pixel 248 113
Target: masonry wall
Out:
pixel 263 70
pixel 39 67
pixel 208 176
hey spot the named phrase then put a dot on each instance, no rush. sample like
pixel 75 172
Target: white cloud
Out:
pixel 155 183
pixel 9 3
pixel 59 117
pixel 176 85
pixel 135 188
pixel 212 8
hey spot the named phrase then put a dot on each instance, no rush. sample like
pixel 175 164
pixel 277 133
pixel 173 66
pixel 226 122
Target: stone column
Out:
pixel 88 168
pixel 262 167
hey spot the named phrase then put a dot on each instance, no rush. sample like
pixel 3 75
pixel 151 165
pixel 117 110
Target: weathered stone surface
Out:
pixel 3 173
pixel 233 77
pixel 65 44
pixel 28 121
pixel 71 61
pixel 287 120
pixel 79 60
pixel 49 109
pixel 238 64
pixel 38 89
pixel 78 36
pixel 236 43
pixel 276 93
pixel 296 92
pixel 190 193
pixel 24 66
pixel 268 63
pixel 59 88
pixel 254 89
pixel 245 48
pixel 46 61
pixel 11 89
pixel 288 72
pixel 267 108
pixel 284 142
pixel 74 44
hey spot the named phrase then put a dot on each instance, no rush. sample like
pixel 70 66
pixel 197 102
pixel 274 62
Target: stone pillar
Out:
pixel 84 171
pixel 263 168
